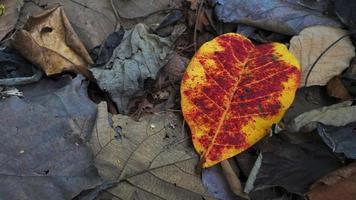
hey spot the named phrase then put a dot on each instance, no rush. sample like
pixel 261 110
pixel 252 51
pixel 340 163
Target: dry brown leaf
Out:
pixel 336 89
pixel 311 42
pixel 9 18
pixel 49 41
pixel 92 20
pixel 340 184
pixel 150 159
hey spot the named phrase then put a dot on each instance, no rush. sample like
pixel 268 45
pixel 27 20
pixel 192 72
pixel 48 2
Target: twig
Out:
pixel 233 179
pixel 198 13
pixel 321 55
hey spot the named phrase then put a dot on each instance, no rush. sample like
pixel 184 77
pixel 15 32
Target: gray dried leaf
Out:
pixel 139 56
pixel 281 16
pixel 43 151
pixel 149 159
pixel 335 115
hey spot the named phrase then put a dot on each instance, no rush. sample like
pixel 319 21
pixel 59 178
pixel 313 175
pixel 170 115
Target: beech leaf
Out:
pixel 233 91
pixel 311 42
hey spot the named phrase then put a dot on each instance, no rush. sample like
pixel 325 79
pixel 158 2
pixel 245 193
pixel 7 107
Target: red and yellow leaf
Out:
pixel 233 92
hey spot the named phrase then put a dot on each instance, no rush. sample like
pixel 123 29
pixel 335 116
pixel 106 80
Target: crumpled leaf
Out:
pixel 232 92
pixel 139 56
pixel 49 41
pixel 340 139
pixel 339 114
pixel 149 159
pixel 92 20
pixel 43 147
pixel 339 184
pixel 311 42
pixel 10 16
pixel 293 162
pixel 281 16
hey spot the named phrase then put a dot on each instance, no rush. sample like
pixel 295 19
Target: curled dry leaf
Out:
pixel 340 184
pixel 92 20
pixel 233 91
pixel 151 158
pixel 339 114
pixel 8 18
pixel 311 42
pixel 49 41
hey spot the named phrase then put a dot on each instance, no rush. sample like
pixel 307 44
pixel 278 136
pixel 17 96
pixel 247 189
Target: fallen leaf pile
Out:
pixel 177 100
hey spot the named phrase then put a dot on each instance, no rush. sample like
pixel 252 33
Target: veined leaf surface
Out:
pixel 233 92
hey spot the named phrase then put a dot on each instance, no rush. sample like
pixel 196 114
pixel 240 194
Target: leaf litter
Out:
pixel 139 53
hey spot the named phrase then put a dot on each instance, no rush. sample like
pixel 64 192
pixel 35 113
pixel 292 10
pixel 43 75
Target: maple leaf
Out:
pixel 233 91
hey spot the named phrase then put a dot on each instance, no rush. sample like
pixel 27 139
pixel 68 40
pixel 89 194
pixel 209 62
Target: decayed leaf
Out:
pixel 49 41
pixel 311 42
pixel 339 114
pixel 139 56
pixel 340 184
pixel 281 16
pixel 43 141
pixel 232 93
pixel 337 89
pixel 92 20
pixel 8 18
pixel 150 158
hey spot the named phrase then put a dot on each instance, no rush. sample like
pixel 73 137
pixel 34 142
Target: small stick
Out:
pixel 198 13
pixel 233 179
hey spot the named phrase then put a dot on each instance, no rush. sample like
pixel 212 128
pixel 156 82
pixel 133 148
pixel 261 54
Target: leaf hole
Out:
pixel 46 29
